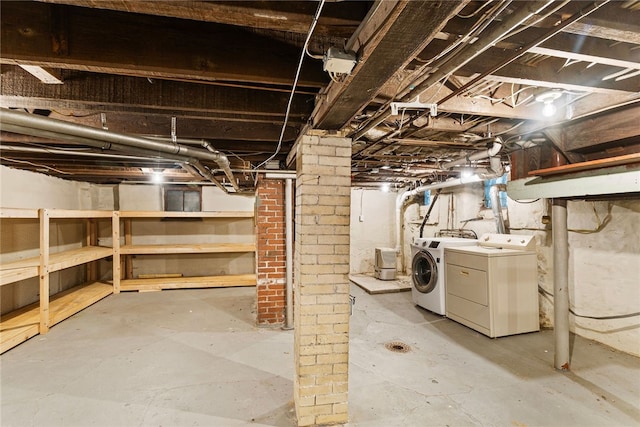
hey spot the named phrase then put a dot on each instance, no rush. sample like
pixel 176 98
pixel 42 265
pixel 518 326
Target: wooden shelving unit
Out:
pixel 26 322
pixel 123 280
pixel 22 324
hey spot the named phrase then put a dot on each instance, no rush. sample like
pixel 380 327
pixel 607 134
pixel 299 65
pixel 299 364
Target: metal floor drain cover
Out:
pixel 397 346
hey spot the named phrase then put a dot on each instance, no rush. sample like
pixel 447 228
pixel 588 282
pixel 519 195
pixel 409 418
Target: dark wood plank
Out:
pixel 136 44
pixel 601 130
pixel 589 165
pixel 407 29
pixel 292 16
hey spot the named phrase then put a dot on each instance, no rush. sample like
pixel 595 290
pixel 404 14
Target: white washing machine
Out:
pixel 428 270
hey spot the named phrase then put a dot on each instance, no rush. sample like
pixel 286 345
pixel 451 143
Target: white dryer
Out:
pixel 428 270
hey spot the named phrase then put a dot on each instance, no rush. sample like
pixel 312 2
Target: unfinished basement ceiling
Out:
pixel 180 73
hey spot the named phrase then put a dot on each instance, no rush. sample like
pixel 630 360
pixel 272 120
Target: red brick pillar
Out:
pixel 270 254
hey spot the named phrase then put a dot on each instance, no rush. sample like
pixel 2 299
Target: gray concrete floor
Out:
pixel 194 357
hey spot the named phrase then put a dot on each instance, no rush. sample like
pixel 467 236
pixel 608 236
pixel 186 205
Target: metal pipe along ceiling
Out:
pixel 111 140
pixel 149 154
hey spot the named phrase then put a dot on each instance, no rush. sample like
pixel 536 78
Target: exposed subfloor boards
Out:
pixel 195 357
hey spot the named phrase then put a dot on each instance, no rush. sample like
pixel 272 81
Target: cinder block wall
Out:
pixel 270 252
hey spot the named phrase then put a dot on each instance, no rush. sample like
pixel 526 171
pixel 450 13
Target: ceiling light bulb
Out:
pixel 549 109
pixel 157 177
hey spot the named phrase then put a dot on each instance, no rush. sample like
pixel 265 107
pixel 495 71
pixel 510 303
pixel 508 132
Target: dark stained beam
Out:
pixel 397 32
pixel 96 40
pixel 111 93
pixel 613 22
pixel 588 135
pixel 337 19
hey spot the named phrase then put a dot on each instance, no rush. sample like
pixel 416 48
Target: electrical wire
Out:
pixel 526 203
pixel 572 311
pixel 295 83
pixel 6 159
pixel 475 12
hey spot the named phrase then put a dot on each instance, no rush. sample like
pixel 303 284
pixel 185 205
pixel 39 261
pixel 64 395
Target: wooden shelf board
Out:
pixel 66 259
pixel 589 165
pixel 19 270
pixel 193 248
pixel 18 213
pixel 231 280
pixel 163 214
pixel 69 302
pixel 67 213
pixel 20 325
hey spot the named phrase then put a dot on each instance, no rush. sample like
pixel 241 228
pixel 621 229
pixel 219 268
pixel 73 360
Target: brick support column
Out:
pixel 321 284
pixel 270 252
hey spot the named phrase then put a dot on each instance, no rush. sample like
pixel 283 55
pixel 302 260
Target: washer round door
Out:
pixel 424 272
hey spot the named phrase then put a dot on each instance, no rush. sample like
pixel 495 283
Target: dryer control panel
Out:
pixel 508 241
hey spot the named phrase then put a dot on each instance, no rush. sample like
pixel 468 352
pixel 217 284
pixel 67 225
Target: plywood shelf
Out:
pixel 230 280
pixel 66 213
pixel 67 303
pixel 19 270
pixel 164 214
pixel 20 325
pixel 18 213
pixel 194 248
pixel 71 258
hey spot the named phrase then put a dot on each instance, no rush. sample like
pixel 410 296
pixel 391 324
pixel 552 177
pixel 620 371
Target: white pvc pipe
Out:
pixel 479 155
pixel 402 197
pixel 560 284
pixel 496 207
pixel 288 217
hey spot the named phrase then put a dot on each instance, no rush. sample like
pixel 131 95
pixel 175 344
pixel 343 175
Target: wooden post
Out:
pixel 117 269
pixel 92 240
pixel 44 271
pixel 128 259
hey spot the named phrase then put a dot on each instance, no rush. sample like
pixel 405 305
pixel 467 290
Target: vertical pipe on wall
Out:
pixel 288 218
pixel 560 284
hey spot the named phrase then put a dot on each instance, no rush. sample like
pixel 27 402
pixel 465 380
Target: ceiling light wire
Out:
pixel 295 83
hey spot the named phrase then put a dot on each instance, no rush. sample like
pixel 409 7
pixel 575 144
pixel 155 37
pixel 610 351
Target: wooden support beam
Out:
pixel 613 21
pixel 107 93
pixel 143 45
pixel 587 135
pixel 45 75
pixel 397 32
pixel 280 16
pixel 550 72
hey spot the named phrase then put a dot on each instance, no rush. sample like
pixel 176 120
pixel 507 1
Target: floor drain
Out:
pixel 397 346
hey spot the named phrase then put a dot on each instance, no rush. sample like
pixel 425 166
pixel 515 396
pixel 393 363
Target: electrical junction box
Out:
pixel 338 62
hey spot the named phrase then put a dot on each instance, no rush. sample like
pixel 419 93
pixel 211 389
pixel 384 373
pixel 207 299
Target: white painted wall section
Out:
pixel 372 226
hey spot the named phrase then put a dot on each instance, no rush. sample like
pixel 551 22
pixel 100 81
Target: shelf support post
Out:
pixel 44 271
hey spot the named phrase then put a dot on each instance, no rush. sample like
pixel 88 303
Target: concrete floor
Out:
pixel 194 357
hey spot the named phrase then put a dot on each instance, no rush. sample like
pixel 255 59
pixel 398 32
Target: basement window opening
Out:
pixel 181 199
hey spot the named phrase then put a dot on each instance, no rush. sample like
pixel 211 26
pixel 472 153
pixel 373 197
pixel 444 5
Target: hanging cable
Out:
pixel 295 83
pixel 613 316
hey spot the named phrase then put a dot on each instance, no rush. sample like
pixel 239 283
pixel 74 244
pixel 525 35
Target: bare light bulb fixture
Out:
pixel 549 109
pixel 547 98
